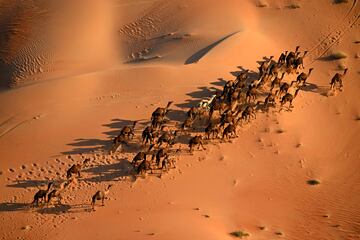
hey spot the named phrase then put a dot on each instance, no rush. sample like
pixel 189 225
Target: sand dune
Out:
pixel 79 71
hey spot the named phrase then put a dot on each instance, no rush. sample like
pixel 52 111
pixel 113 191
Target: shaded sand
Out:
pixel 78 76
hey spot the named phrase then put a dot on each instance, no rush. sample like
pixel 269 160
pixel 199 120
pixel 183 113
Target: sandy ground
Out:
pixel 73 74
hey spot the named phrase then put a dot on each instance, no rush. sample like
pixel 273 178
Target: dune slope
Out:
pixel 80 77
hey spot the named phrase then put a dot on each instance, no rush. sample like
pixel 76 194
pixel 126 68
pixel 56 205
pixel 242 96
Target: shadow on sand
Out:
pixel 312 87
pixel 92 145
pixel 202 52
pixel 28 183
pixel 64 208
pixel 53 209
pixel 13 207
pixel 109 172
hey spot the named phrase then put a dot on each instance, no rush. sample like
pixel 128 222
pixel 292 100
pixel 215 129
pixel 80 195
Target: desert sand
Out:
pixel 74 73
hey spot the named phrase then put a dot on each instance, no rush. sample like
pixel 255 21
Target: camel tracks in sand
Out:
pixel 5 129
pixel 349 20
pixel 6 121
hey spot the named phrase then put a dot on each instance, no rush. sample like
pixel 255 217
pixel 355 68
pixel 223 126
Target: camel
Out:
pixel 248 113
pixel 276 82
pixel 157 121
pixel 100 195
pixel 143 167
pixel 196 141
pixel 290 58
pixel 161 153
pixel 148 135
pixel 288 98
pixel 274 69
pixel 127 131
pixel 140 156
pixel 228 117
pixel 264 67
pixel 205 104
pixel 166 164
pixel 230 130
pixel 126 134
pixel 217 106
pixel 161 111
pixel 251 93
pixel 302 77
pixel 299 62
pixel 263 80
pixel 56 193
pixel 242 77
pixel 282 58
pixel 41 194
pixel 338 79
pixel 234 96
pixel 167 138
pixel 240 81
pixel 76 169
pixel 193 112
pixel 284 87
pixel 270 99
pixel 213 130
pixel 187 124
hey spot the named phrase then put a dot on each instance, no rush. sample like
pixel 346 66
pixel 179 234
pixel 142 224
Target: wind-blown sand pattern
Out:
pixel 73 74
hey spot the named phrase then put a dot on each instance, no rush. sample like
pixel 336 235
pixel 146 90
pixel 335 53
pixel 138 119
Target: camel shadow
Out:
pixel 312 87
pixel 252 75
pixel 200 94
pixel 13 207
pixel 28 183
pixel 83 145
pixel 64 208
pixel 176 116
pixel 328 58
pixel 219 83
pixel 54 209
pixel 339 1
pixel 86 145
pixel 116 125
pixel 109 172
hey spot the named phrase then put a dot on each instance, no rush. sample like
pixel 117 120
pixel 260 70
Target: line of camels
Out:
pixel 219 116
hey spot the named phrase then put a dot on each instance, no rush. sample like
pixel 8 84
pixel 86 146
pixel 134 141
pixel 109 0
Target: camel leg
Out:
pixel 281 106
pixel 291 106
